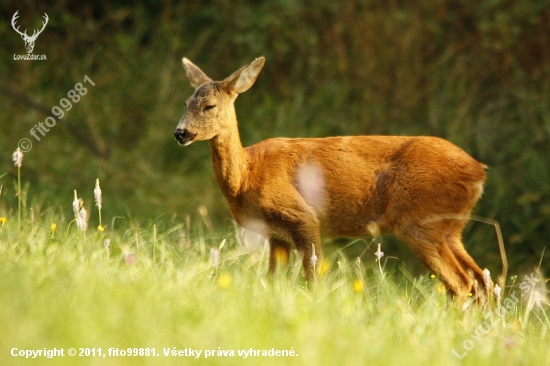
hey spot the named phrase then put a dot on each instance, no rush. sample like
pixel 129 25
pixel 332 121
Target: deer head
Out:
pixel 210 109
pixel 29 40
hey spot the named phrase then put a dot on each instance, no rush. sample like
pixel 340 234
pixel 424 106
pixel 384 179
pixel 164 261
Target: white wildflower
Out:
pixel 82 219
pixel 18 158
pixel 314 259
pixel 487 279
pixel 379 253
pixel 76 205
pixel 497 291
pixel 97 194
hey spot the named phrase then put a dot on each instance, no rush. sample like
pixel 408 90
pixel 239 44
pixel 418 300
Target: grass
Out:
pixel 156 286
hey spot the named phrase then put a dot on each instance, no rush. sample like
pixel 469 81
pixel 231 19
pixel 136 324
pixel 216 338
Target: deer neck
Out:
pixel 228 160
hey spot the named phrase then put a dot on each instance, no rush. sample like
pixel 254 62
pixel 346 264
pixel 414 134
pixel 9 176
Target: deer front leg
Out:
pixel 307 239
pixel 294 221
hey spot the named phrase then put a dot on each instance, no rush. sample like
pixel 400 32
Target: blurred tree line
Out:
pixel 474 72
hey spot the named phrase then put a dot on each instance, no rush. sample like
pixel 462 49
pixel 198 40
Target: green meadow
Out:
pixel 160 288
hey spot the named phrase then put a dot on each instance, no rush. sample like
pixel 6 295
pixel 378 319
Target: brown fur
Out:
pixel 293 190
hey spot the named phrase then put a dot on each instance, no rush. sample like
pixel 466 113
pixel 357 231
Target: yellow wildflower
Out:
pixel 325 266
pixel 281 256
pixel 224 281
pixel 357 286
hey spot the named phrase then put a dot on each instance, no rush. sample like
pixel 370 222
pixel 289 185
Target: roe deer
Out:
pixel 422 189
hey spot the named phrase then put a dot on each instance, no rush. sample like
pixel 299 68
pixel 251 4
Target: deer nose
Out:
pixel 184 137
pixel 179 134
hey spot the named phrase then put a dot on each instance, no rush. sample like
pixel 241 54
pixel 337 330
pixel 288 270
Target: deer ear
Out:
pixel 196 76
pixel 242 79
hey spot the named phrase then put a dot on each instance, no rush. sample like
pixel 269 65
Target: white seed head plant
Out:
pixel 82 220
pixel 18 162
pixel 18 158
pixel 98 203
pixel 487 279
pixel 379 253
pixel 80 214
pixel 76 205
pixel 97 194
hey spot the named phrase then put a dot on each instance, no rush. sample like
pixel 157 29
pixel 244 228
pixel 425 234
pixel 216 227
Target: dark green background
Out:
pixel 474 72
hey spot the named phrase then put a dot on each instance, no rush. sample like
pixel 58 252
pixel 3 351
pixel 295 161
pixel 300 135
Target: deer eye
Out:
pixel 208 107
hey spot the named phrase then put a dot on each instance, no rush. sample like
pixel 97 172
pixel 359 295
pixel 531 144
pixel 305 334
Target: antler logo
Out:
pixel 29 40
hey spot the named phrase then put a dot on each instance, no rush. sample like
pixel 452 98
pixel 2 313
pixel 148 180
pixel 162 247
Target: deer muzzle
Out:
pixel 184 137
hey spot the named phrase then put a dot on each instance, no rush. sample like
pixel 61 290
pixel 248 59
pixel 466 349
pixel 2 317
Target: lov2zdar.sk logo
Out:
pixel 29 40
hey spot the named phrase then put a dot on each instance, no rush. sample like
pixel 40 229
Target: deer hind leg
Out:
pixel 279 252
pixel 467 262
pixel 435 252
